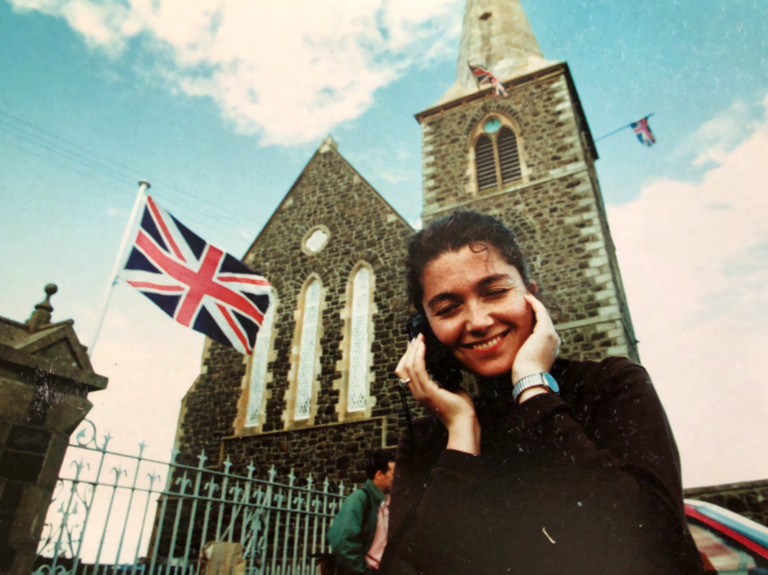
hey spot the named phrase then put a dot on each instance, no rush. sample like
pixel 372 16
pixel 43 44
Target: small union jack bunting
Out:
pixel 643 131
pixel 194 282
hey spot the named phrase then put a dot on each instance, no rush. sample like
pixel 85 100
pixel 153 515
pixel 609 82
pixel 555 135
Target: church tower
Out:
pixel 529 159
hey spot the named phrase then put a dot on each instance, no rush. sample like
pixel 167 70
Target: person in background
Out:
pixel 557 466
pixel 358 534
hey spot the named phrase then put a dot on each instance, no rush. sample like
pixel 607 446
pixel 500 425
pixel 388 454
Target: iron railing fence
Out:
pixel 119 514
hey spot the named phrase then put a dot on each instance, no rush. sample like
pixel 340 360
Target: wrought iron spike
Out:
pixel 118 471
pixel 107 438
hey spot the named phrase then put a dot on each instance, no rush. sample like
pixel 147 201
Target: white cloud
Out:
pixel 694 258
pixel 716 138
pixel 286 71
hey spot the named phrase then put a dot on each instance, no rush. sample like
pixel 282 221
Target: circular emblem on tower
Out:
pixel 492 125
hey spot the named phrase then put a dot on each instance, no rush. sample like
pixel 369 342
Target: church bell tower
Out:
pixel 529 159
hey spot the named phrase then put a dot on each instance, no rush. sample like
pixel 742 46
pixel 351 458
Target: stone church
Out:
pixel 319 390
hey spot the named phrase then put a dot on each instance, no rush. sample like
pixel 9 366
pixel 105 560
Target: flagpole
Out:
pixel 617 130
pixel 119 261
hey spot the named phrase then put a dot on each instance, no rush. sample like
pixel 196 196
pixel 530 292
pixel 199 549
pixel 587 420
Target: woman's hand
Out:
pixel 454 410
pixel 539 351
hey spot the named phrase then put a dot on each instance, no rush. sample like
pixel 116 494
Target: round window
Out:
pixel 316 240
pixel 492 126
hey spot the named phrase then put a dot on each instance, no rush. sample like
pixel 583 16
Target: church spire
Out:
pixel 497 36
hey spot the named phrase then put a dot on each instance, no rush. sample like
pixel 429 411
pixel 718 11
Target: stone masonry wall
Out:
pixel 556 209
pixel 549 139
pixel 362 227
pixel 324 450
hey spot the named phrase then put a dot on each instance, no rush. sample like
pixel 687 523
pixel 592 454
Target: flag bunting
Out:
pixel 643 131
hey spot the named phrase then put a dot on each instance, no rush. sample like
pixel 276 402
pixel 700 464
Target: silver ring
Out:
pixel 405 382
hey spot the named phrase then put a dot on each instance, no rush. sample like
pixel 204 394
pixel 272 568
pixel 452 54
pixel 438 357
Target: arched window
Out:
pixel 258 377
pixel 497 157
pixel 308 350
pixel 359 341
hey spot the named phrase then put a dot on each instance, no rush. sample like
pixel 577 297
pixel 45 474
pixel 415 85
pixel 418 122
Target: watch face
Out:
pixel 551 383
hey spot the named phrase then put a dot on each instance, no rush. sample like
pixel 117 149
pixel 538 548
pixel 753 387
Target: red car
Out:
pixel 729 543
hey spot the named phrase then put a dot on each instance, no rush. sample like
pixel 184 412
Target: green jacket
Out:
pixel 352 532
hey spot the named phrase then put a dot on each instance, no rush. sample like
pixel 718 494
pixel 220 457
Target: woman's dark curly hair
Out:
pixel 451 233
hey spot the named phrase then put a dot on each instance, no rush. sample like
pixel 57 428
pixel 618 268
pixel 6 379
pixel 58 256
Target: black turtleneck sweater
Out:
pixel 587 481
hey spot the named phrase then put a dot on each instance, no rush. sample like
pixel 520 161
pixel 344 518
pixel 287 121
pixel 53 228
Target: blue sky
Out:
pixel 220 106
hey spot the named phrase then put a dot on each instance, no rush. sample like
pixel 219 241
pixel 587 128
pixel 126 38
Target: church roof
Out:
pixel 495 35
pixel 327 146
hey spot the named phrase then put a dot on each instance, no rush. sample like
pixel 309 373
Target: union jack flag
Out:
pixel 196 283
pixel 643 132
pixel 483 77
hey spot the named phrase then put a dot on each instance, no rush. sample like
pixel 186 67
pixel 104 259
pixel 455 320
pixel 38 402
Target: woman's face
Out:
pixel 475 306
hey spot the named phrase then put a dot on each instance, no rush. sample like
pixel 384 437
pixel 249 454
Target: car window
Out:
pixel 724 556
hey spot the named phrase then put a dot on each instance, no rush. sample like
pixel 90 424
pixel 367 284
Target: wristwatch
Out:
pixel 535 380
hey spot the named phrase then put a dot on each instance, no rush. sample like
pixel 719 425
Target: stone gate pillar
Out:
pixel 45 378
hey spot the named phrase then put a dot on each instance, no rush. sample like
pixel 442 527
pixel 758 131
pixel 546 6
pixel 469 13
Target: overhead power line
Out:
pixel 96 167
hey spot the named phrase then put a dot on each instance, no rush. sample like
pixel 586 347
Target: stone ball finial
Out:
pixel 45 305
pixel 42 314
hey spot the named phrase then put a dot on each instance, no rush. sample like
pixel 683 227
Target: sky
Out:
pixel 220 104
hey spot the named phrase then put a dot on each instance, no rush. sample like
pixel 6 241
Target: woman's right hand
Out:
pixel 540 350
pixel 455 410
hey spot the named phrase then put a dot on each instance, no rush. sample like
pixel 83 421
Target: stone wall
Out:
pixel 361 227
pixel 332 450
pixel 749 498
pixel 556 209
pixel 45 378
pixel 544 110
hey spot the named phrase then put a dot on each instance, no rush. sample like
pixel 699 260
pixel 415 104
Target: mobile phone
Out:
pixel 441 365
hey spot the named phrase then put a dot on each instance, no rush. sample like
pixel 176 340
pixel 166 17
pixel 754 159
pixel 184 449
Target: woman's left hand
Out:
pixel 539 351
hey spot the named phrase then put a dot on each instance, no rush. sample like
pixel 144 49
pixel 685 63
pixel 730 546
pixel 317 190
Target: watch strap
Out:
pixel 534 380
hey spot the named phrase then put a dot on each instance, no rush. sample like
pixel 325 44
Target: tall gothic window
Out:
pixel 259 361
pixel 497 158
pixel 359 341
pixel 308 350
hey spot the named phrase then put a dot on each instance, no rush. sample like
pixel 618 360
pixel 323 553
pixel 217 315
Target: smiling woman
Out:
pixel 482 315
pixel 557 466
